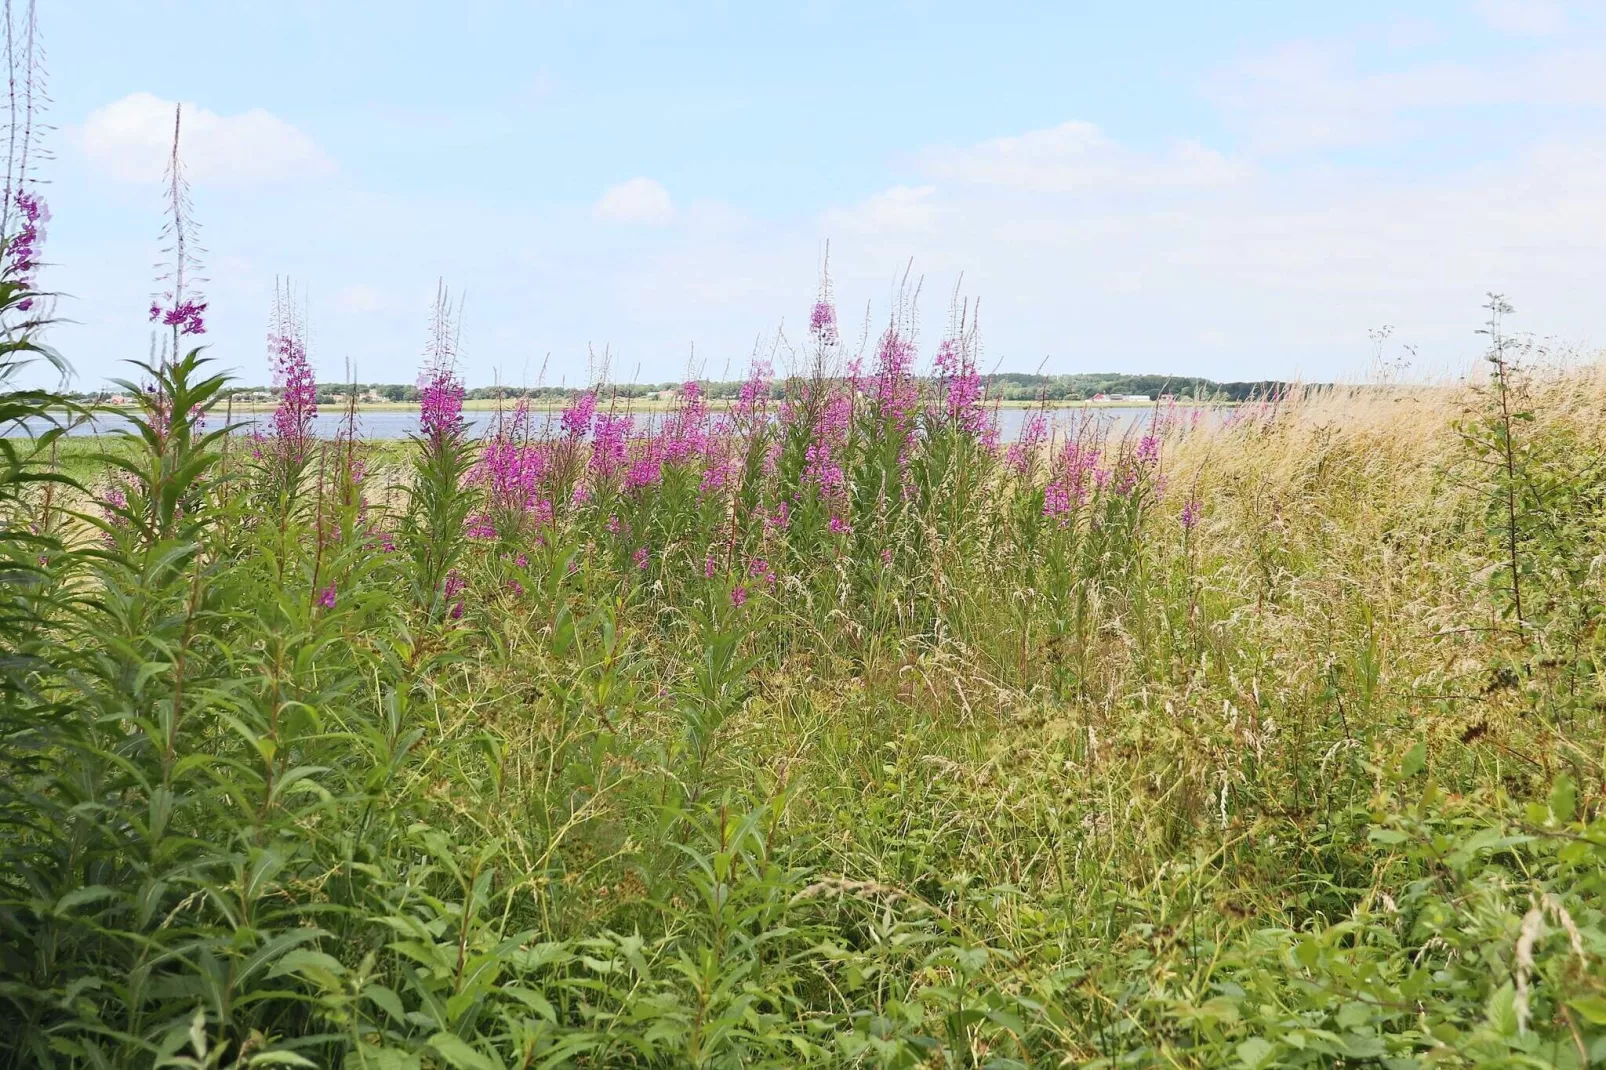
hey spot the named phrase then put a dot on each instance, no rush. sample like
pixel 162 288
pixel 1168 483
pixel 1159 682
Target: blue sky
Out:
pixel 1238 190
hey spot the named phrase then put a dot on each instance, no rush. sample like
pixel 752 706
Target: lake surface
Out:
pixel 398 424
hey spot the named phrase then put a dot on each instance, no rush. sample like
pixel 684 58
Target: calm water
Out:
pixel 401 423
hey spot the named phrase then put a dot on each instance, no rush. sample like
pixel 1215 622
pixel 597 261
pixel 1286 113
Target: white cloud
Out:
pixel 130 140
pixel 901 208
pixel 360 298
pixel 1533 18
pixel 1307 95
pixel 639 200
pixel 1077 157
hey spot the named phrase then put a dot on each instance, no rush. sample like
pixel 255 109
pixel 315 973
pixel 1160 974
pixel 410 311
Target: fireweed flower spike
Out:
pixel 440 403
pixel 822 318
pixel 1190 514
pixel 326 597
pixel 1024 450
pixel 440 391
pixel 23 212
pixel 181 306
pixel 290 435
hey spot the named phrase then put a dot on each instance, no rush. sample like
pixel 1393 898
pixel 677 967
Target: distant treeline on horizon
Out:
pixel 1006 386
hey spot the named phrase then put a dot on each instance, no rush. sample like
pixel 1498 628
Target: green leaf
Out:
pixel 280 1058
pixel 387 1000
pixel 1591 1007
pixel 1255 1052
pixel 1415 759
pixel 1354 1014
pixel 1502 1010
pixel 457 1052
pixel 382 1059
pixel 1563 798
pixel 306 961
pixel 79 896
pixel 533 1000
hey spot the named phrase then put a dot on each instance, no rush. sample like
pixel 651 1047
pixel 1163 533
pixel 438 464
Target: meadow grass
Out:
pixel 838 735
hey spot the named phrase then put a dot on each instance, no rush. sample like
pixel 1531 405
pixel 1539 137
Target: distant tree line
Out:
pixel 1009 386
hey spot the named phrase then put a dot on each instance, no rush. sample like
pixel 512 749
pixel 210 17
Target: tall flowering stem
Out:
pixel 181 305
pixel 287 356
pixel 961 391
pixel 23 211
pixel 439 504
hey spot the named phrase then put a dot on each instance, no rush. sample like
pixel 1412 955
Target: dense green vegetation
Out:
pixel 842 738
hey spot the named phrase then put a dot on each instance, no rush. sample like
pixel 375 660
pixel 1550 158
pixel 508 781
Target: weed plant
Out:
pixel 825 730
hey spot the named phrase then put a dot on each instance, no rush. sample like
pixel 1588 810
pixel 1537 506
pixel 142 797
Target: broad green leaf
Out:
pixel 1563 798
pixel 1255 1052
pixel 457 1052
pixel 1591 1007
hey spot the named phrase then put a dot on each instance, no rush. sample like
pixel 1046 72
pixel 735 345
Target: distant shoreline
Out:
pixel 714 404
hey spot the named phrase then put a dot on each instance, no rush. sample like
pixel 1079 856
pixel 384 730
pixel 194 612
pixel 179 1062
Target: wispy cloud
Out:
pixel 1533 18
pixel 1079 157
pixel 129 140
pixel 639 200
pixel 1324 94
pixel 900 208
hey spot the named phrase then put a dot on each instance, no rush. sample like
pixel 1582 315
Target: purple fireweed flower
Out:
pixel 1148 449
pixel 22 253
pixel 185 316
pixel 760 569
pixel 647 469
pixel 752 403
pixel 962 391
pixel 479 526
pixel 326 597
pixel 516 587
pixel 1190 514
pixel 715 477
pixel 839 526
pixel 1069 486
pixel 821 465
pixel 886 556
pixel 514 474
pixel 290 430
pixel 710 566
pixel 822 470
pixel 577 416
pixel 181 306
pixel 455 583
pixel 440 404
pixel 738 596
pixel 521 561
pixel 1024 450
pixel 641 557
pixel 822 318
pixel 686 433
pixel 894 390
pixel 612 525
pixel 608 442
